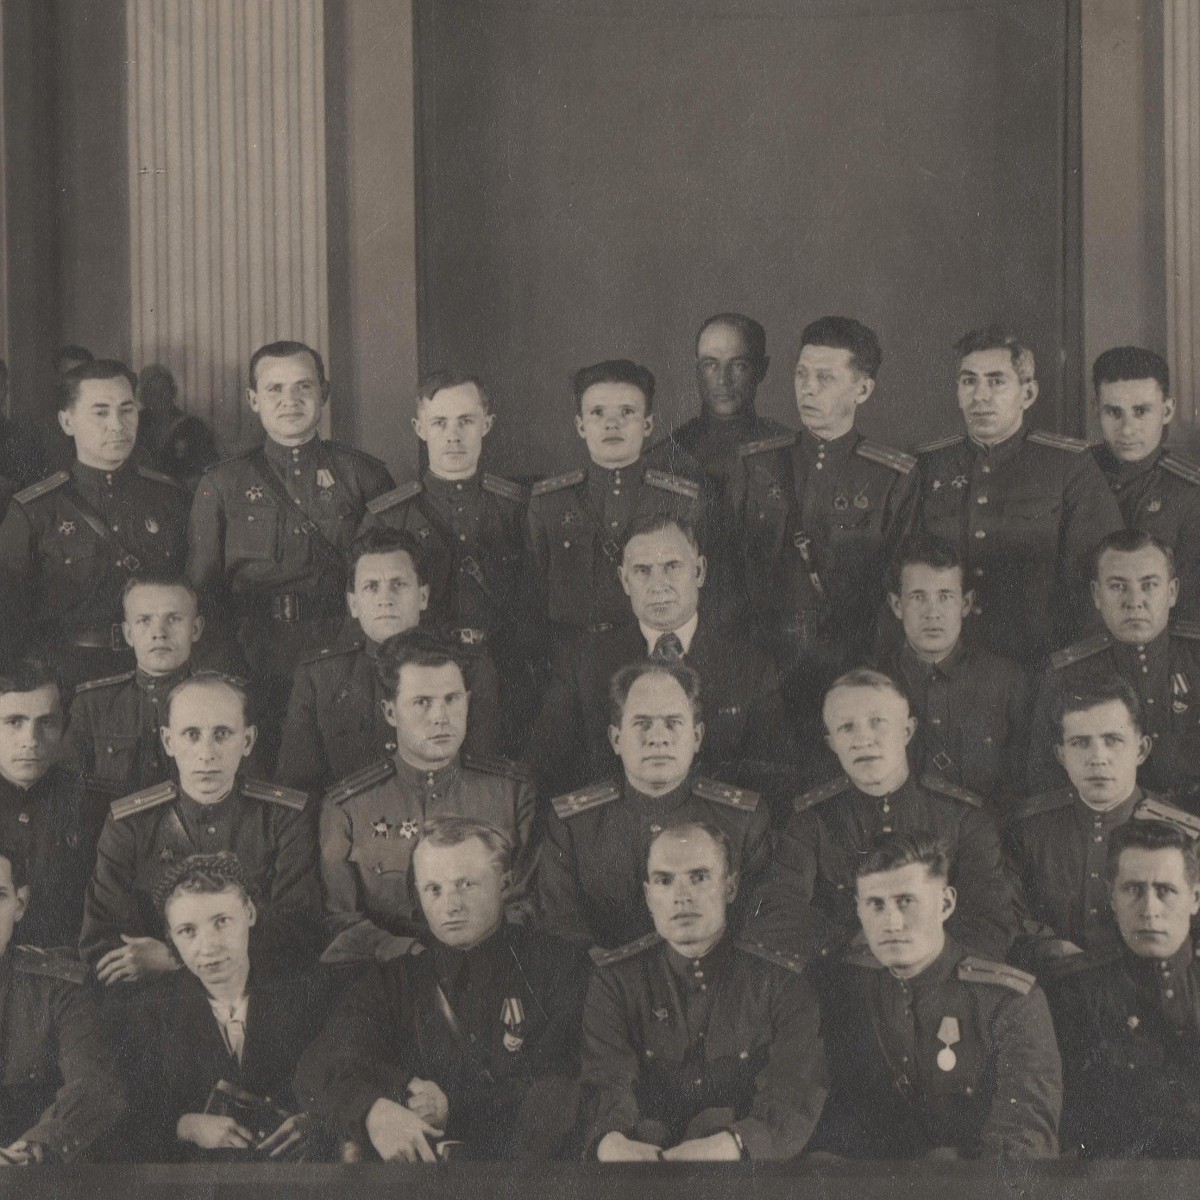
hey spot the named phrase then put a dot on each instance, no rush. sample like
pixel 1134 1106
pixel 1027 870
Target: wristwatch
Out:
pixel 741 1145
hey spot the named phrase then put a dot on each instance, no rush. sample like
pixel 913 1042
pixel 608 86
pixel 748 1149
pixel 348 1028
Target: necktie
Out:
pixel 668 648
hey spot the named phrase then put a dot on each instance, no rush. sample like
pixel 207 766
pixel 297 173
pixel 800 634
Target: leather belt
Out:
pixel 292 606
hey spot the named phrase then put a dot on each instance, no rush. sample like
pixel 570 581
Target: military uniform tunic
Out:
pixel 597 839
pixel 676 1048
pixel 370 824
pixel 1025 516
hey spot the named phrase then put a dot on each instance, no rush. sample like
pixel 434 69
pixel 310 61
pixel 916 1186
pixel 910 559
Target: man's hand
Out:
pixel 213 1133
pixel 616 1147
pixel 289 1139
pixel 429 1102
pixel 22 1154
pixel 138 958
pixel 717 1147
pixel 398 1134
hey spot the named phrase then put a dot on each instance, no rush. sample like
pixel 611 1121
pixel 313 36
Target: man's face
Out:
pixel 688 889
pixel 1101 751
pixel 429 714
pixel 662 575
pixel 993 400
pixel 1135 593
pixel 208 738
pixel 288 398
pixel 103 421
pixel 613 423
pixel 1133 416
pixel 658 736
pixel 903 913
pixel 1153 901
pixel 461 889
pixel 829 390
pixel 931 607
pixel 453 424
pixel 387 597
pixel 727 373
pixel 211 933
pixel 162 626
pixel 31 728
pixel 869 730
pixel 13 903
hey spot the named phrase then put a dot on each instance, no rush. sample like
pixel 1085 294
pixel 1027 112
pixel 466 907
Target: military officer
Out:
pixel 211 808
pixel 370 820
pixel 335 724
pixel 699 1047
pixel 475 1040
pixel 1135 588
pixel 69 543
pixel 576 519
pixel 270 528
pixel 1025 508
pixel 590 875
pixel 747 739
pixel 471 526
pixel 1129 1026
pixel 869 728
pixel 933 1052
pixel 1057 841
pixel 1158 489
pixel 60 1091
pixel 971 705
pixel 823 518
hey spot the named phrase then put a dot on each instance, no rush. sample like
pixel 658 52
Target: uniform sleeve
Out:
pixel 770 753
pixel 484 723
pixel 985 919
pixel 1043 772
pixel 1187 558
pixel 292 918
pixel 81 738
pixel 17 579
pixel 558 889
pixel 558 745
pixel 1090 512
pixel 1017 699
pixel 206 544
pixel 525 857
pixel 790 1091
pixel 301 762
pixel 609 1067
pixel 901 516
pixel 110 908
pixel 778 916
pixel 537 554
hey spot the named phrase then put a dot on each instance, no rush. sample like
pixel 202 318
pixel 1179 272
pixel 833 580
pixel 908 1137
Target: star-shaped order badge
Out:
pixel 959 481
pixel 409 829
pixel 66 528
pixel 661 1014
pixel 151 525
pixel 775 492
pixel 381 828
pixel 254 492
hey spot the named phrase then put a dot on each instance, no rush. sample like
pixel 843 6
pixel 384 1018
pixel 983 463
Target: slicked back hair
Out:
pixel 719 836
pixel 1090 692
pixel 995 337
pixel 1152 835
pixel 379 539
pixel 449 377
pixel 1130 541
pixel 95 368
pixel 417 648
pixel 645 523
pixel 894 851
pixel 846 333
pixel 451 830
pixel 285 349
pixel 628 675
pixel 28 675
pixel 1131 362
pixel 614 370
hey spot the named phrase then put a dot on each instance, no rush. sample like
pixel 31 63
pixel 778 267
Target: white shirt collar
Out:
pixel 685 633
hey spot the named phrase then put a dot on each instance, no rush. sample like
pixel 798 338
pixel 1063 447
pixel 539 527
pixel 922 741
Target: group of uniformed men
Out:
pixel 870 781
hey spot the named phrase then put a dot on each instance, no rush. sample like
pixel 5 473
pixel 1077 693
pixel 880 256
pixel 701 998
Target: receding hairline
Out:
pixel 208 685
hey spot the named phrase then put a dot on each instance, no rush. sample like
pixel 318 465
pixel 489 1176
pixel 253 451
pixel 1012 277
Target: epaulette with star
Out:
pixel 1044 802
pixel 329 653
pixel 985 970
pixel 944 787
pixel 1186 629
pixel 724 793
pixel 955 439
pixel 1057 441
pixel 33 960
pixel 666 482
pixel 780 958
pixel 556 483
pixel 499 486
pixel 574 803
pixel 818 795
pixel 782 441
pixel 42 488
pixel 359 781
pixel 495 764
pixel 143 801
pixel 1155 808
pixel 886 456
pixel 398 495
pixel 160 477
pixel 274 793
pixel 1061 659
pixel 606 958
pixel 1183 467
pixel 91 685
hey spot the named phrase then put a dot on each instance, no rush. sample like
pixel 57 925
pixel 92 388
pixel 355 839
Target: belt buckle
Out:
pixel 116 637
pixel 308 527
pixel 942 761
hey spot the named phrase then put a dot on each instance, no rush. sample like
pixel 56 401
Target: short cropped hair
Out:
pixel 717 834
pixel 285 349
pixel 1131 362
pixel 202 875
pixel 645 523
pixel 416 648
pixel 748 327
pixel 379 539
pixel 846 333
pixel 994 337
pixel 1092 691
pixel 162 579
pixel 628 675
pixel 1130 541
pixel 29 674
pixel 448 377
pixel 209 679
pixel 614 370
pixel 927 550
pixel 453 830
pixel 893 851
pixel 865 677
pixel 18 860
pixel 71 353
pixel 96 368
pixel 1152 835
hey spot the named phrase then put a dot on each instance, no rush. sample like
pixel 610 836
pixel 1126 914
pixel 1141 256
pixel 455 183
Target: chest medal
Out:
pixel 948 1034
pixel 512 1015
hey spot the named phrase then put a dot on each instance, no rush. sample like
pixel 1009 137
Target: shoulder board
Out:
pixel 1061 969
pixel 359 781
pixel 935 783
pixel 143 801
pixel 861 956
pixel 353 451
pixel 667 482
pixel 494 764
pixel 240 456
pixel 818 795
pixel 273 793
pixel 1044 802
pixel 781 442
pixel 573 803
pixel 876 452
pixel 406 491
pixel 1154 808
pixel 724 793
pixel 90 685
pixel 606 958
pixel 33 960
pixel 160 477
pixel 1057 441
pixel 984 970
pixel 1186 629
pixel 329 652
pixel 1079 651
pixel 955 439
pixel 1181 467
pixel 556 483
pixel 41 489
pixel 499 486
pixel 789 962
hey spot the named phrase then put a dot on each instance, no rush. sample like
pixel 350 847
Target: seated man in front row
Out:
pixel 590 876
pixel 475 1040
pixel 698 1046
pixel 932 1051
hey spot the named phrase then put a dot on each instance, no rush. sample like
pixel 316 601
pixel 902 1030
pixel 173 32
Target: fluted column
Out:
pixel 227 196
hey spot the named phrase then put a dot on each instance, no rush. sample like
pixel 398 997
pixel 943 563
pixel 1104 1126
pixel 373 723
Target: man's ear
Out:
pixel 65 422
pixel 699 735
pixel 1029 393
pixel 949 901
pixel 867 386
pixel 579 428
pixel 701 570
pixel 164 734
pixel 125 634
pixel 251 736
pixel 389 711
pixel 614 739
pixel 910 727
pixel 623 576
pixel 23 894
pixel 731 886
pixel 251 911
pixel 1095 586
pixel 649 425
pixel 894 605
pixel 1058 753
pixel 197 628
pixel 1145 745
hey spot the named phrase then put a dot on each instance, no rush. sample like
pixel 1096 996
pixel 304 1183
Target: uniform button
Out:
pixel 887 829
pixel 697 1082
pixel 458 487
pixel 820 466
pixel 462 537
pixel 1169 993
pixel 211 829
pixel 981 500
pixel 1093 911
pixel 986 469
pixel 616 491
pixel 614 524
pixel 978 572
pixel 1094 875
pixel 981 533
pixel 904 1059
pixel 389 747
pixel 937 720
pixel 1097 838
pixel 116 528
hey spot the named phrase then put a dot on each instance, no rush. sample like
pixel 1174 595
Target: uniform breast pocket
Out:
pixel 252 534
pixel 1033 509
pixel 65 549
pixel 383 865
pixel 115 755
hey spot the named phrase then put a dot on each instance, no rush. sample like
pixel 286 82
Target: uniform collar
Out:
pixel 1123 472
pixel 686 633
pixel 195 809
pixel 1152 970
pixel 938 971
pixel 697 974
pixel 668 800
pixel 839 448
pixel 416 777
pixel 1132 653
pixel 450 962
pixel 907 789
pixel 92 479
pixel 1003 451
pixel 448 488
pixel 947 667
pixel 159 686
pixel 1113 817
pixel 11 793
pixel 604 477
pixel 286 456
